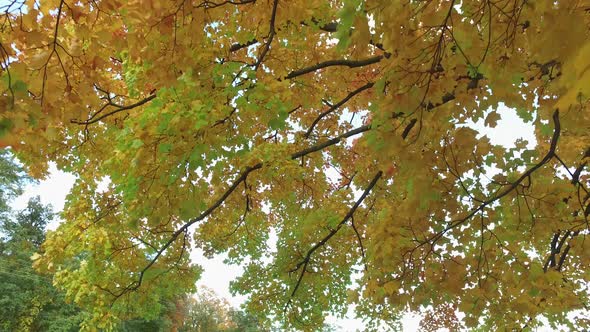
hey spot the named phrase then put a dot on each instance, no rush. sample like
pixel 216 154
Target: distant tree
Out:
pixel 244 321
pixel 168 320
pixel 28 300
pixel 205 311
pixel 12 179
pixel 135 325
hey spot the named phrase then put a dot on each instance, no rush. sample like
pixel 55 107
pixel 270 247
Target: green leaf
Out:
pixel 276 124
pixel 410 186
pixel 517 79
pixel 164 147
pixel 346 15
pixel 19 86
pixel 529 154
pixel 136 143
pixel 524 114
pixel 333 221
pixel 187 209
pixel 546 129
pixel 472 71
pixel 5 126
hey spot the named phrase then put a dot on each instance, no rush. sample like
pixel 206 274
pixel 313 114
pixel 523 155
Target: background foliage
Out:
pixel 29 302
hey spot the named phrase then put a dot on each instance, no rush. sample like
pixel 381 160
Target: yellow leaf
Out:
pixel 39 60
pixel 492 119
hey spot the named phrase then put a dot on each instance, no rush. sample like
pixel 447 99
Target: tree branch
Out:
pixel 271 35
pixel 548 156
pixel 330 63
pixel 336 106
pixel 217 203
pixel 237 47
pixel 54 44
pixel 360 241
pixel 328 27
pixel 118 108
pixel 303 264
pixel 330 142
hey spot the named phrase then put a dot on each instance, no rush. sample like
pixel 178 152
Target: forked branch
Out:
pixel 117 108
pixel 219 201
pixel 337 106
pixel 512 186
pixel 303 264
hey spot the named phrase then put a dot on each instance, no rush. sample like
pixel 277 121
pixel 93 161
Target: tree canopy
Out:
pixel 321 144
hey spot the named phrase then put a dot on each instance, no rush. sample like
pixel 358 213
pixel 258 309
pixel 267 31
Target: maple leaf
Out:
pixel 332 131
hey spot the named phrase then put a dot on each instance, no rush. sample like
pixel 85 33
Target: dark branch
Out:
pixel 328 27
pixel 217 203
pixel 330 142
pixel 54 44
pixel 562 258
pixel 548 156
pixel 303 264
pixel 408 128
pixel 118 108
pixel 337 105
pixel 360 241
pixel 330 63
pixel 553 250
pixel 271 35
pixel 445 99
pixel 211 5
pixel 237 47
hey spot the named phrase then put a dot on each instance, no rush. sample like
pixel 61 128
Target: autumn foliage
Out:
pixel 321 144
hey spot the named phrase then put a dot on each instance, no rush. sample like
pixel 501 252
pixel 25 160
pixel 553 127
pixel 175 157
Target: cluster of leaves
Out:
pixel 317 143
pixel 28 300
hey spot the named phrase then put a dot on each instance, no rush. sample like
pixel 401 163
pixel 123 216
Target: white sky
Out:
pixel 217 275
